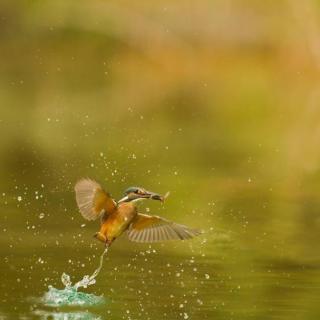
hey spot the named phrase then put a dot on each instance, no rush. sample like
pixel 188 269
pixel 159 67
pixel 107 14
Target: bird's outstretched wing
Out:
pixel 147 228
pixel 92 200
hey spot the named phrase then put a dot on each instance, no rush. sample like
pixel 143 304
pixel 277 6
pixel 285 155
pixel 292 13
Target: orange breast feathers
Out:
pixel 117 222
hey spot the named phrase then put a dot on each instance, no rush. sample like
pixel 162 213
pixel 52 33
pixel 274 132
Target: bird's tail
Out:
pixel 100 236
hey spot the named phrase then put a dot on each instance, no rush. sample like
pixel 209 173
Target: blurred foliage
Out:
pixel 217 101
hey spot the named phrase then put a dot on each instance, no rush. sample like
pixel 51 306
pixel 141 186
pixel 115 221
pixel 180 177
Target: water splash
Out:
pixel 70 294
pixel 75 315
pixel 86 280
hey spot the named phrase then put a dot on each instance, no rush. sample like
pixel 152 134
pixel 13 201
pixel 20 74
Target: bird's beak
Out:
pixel 145 195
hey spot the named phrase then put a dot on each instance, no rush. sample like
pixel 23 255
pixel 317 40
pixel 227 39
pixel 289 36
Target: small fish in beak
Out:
pixel 156 196
pixel 135 194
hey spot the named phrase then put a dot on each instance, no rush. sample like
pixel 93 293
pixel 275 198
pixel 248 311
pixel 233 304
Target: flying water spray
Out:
pixel 70 294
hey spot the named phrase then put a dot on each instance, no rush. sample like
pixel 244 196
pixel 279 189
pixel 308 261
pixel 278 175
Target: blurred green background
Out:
pixel 216 101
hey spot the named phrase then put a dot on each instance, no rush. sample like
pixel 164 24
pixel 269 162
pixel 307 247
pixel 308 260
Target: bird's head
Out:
pixel 137 193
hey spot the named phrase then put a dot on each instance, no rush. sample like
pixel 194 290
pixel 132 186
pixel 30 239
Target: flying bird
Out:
pixel 123 217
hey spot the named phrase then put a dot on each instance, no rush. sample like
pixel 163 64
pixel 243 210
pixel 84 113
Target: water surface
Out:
pixel 237 273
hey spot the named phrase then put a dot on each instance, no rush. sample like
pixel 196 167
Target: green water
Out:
pixel 244 272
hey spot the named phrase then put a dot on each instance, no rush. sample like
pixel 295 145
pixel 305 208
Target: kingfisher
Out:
pixel 118 217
